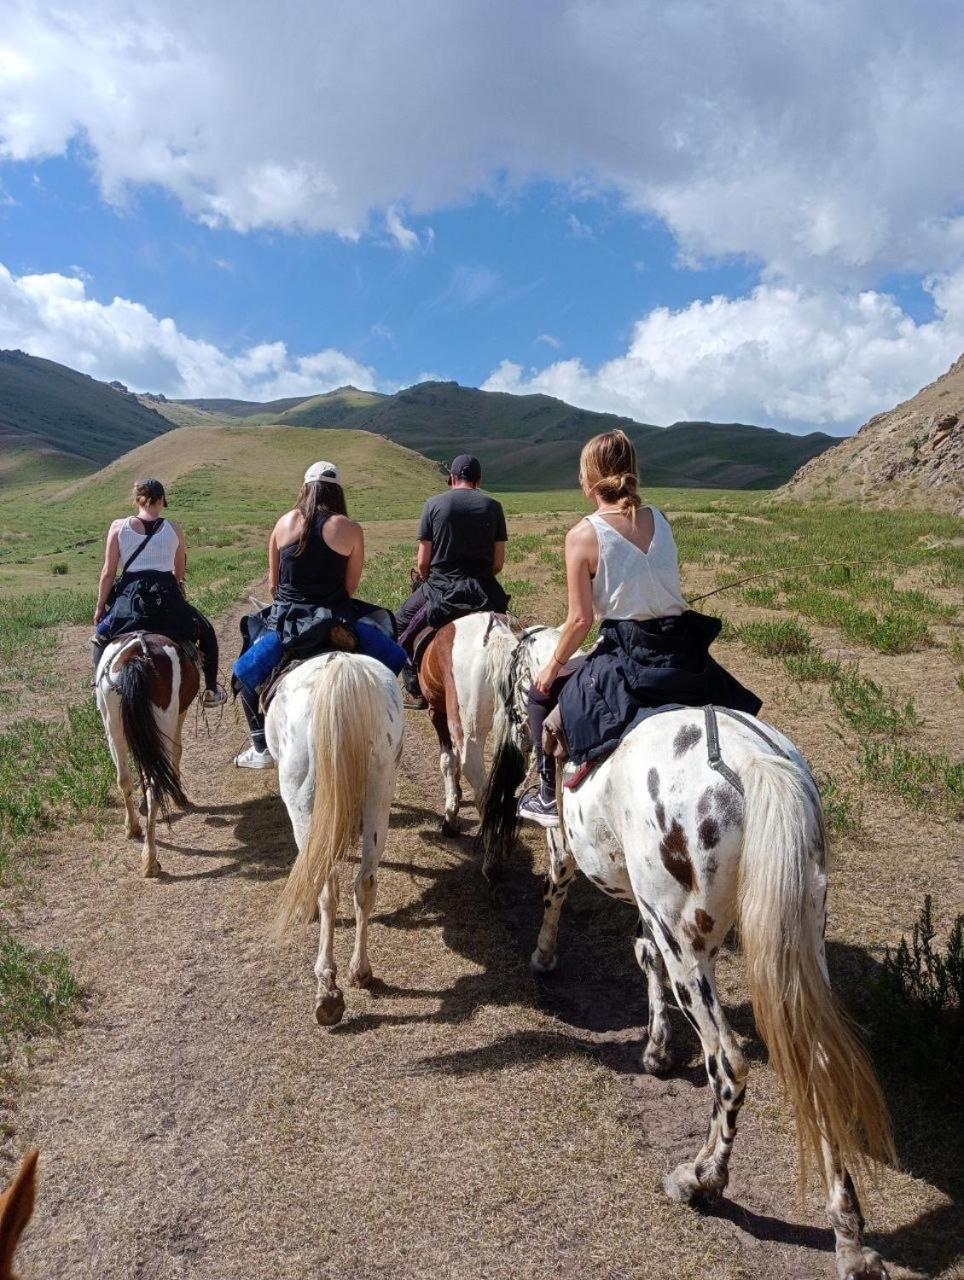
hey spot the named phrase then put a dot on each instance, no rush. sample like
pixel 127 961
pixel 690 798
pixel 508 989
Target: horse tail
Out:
pixel 813 1045
pixel 349 707
pixel 499 809
pixel 149 746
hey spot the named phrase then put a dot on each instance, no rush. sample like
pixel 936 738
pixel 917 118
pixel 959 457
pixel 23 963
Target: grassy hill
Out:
pixel 227 485
pixel 533 442
pixel 47 407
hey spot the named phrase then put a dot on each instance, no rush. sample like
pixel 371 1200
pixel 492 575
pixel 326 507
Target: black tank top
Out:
pixel 317 576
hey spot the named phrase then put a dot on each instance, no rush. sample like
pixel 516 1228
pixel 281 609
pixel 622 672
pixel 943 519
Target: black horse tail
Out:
pixel 499 808
pixel 149 747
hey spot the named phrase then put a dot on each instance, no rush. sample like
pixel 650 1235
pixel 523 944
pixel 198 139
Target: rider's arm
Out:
pixel 356 561
pixel 108 573
pixel 180 555
pixel 423 561
pixel 274 560
pixel 580 552
pixel 498 558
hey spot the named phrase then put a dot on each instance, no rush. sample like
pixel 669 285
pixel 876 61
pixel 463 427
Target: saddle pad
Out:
pixel 421 642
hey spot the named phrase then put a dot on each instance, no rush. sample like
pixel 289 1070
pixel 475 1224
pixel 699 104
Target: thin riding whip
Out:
pixel 813 564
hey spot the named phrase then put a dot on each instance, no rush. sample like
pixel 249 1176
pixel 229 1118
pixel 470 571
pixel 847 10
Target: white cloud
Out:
pixel 579 230
pixel 548 340
pixel 404 237
pixel 780 356
pixel 52 316
pixel 814 137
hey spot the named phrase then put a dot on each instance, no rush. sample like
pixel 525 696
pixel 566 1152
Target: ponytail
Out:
pixel 318 498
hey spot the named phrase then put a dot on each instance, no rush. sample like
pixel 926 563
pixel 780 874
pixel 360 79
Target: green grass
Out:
pixel 842 813
pixel 868 707
pixel 889 632
pixel 37 990
pixel 48 771
pixel 762 597
pixel 924 781
pixel 811 665
pixel 776 639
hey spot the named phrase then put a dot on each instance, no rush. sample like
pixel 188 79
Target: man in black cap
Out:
pixel 461 550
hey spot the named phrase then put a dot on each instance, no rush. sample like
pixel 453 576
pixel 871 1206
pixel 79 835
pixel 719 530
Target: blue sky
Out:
pixel 663 213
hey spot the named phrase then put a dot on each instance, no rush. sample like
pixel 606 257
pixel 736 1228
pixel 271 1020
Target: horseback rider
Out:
pixel 461 552
pixel 148 592
pixel 316 555
pixel 622 568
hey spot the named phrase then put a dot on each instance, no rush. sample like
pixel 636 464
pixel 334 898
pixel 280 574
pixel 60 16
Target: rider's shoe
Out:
pixel 215 697
pixel 413 701
pixel 254 759
pixel 535 809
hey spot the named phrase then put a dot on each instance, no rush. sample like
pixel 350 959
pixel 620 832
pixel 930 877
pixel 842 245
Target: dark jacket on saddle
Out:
pixel 637 666
pixel 150 601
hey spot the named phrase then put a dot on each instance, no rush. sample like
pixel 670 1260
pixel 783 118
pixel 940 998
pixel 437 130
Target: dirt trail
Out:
pixel 465 1120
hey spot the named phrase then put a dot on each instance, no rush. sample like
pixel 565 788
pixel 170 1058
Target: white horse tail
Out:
pixel 812 1043
pixel 349 708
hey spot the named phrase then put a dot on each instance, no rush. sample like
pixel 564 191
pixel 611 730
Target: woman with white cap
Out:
pixel 316 554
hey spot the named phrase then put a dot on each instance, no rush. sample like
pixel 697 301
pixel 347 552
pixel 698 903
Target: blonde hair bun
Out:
pixel 609 469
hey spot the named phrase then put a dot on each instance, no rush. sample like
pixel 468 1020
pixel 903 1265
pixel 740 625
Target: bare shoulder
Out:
pixel 581 536
pixel 177 527
pixel 286 525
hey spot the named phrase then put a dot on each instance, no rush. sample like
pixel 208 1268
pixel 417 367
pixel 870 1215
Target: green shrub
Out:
pixel 775 639
pixel 811 665
pixel 59 569
pixel 868 707
pixel 922 780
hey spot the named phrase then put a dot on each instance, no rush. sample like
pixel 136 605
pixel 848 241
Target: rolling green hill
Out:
pixel 534 441
pixel 46 407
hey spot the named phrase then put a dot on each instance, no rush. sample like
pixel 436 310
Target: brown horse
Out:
pixel 460 675
pixel 16 1206
pixel 145 685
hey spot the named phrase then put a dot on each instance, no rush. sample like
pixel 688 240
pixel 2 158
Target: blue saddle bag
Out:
pixel 374 643
pixel 257 663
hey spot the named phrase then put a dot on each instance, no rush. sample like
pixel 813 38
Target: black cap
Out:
pixel 151 489
pixel 465 467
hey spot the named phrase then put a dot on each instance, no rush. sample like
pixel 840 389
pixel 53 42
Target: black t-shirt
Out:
pixel 463 526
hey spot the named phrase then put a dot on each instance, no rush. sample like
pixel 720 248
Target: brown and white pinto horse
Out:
pixel 16 1206
pixel 145 685
pixel 461 671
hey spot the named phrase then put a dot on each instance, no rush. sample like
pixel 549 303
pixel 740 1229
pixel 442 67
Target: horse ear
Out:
pixel 16 1206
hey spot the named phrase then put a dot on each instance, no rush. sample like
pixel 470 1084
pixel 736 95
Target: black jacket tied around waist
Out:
pixel 639 666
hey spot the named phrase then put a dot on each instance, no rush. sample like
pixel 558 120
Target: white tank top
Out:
pixel 158 554
pixel 635 584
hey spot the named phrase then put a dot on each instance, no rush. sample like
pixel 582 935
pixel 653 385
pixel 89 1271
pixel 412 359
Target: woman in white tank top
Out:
pixel 151 548
pixel 622 569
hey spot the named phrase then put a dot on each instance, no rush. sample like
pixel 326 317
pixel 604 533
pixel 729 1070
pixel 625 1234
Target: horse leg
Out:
pixel 562 869
pixel 329 1002
pixel 854 1260
pixel 449 764
pixel 704 1178
pixel 658 1054
pixel 150 866
pixel 473 768
pixel 117 744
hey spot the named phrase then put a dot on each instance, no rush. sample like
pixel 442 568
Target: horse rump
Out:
pixel 135 680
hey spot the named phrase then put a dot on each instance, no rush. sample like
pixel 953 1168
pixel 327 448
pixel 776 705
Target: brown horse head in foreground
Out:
pixel 16 1206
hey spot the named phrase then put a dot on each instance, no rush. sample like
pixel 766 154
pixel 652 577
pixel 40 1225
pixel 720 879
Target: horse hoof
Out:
pixel 151 869
pixel 329 1008
pixel 683 1185
pixel 360 978
pixel 450 827
pixel 657 1059
pixel 540 963
pixel 856 1263
pixel 135 833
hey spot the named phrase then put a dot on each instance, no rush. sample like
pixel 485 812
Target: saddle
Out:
pixel 424 637
pixel 340 637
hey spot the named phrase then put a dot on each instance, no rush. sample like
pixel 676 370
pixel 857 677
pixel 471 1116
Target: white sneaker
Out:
pixel 254 759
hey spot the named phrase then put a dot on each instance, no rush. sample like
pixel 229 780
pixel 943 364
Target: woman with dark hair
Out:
pixel 142 586
pixel 316 554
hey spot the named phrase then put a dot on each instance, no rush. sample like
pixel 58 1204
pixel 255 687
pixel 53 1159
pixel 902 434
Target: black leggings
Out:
pixel 540 704
pixel 252 713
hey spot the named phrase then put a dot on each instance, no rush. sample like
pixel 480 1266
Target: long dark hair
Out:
pixel 318 498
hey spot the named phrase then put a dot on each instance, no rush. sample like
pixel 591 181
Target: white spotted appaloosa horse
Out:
pixel 145 684
pixel 697 850
pixel 335 727
pixel 460 675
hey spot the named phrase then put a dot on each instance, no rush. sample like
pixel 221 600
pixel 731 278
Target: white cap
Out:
pixel 323 471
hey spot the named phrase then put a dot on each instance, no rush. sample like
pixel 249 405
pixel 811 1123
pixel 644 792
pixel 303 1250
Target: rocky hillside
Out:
pixel 911 455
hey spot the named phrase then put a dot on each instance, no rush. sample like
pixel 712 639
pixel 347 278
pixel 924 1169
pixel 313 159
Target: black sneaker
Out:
pixel 534 809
